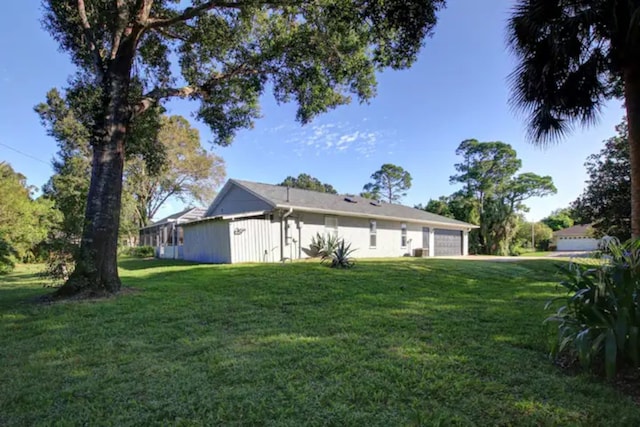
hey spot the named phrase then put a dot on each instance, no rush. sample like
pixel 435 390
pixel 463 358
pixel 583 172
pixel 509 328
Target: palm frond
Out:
pixel 564 69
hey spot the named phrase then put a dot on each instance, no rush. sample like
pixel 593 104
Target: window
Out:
pixel 373 229
pixel 403 235
pixel 331 225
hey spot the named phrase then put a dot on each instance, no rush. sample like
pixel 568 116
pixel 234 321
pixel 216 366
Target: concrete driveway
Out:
pixel 561 254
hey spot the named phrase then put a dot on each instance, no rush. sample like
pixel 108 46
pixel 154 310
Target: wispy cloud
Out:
pixel 4 75
pixel 339 137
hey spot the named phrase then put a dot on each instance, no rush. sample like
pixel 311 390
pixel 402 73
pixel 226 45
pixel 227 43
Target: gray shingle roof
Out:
pixel 277 196
pixel 188 214
pixel 576 230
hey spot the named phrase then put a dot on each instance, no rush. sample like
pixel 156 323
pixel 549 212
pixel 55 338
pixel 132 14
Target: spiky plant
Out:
pixel 341 256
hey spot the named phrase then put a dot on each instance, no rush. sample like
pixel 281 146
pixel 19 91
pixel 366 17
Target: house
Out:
pixel 167 235
pixel 253 222
pixel 576 238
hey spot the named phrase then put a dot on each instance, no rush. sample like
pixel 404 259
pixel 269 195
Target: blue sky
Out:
pixel 456 90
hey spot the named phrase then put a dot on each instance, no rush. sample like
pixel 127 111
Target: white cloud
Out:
pixel 339 137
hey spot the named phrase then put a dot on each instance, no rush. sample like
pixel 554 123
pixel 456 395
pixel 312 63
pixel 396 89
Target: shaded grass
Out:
pixel 391 342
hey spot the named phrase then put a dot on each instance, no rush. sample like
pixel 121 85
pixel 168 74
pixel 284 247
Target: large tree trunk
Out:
pixel 96 270
pixel 632 101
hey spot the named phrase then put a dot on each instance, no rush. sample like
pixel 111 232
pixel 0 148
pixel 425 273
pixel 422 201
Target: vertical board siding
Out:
pixel 251 241
pixel 207 242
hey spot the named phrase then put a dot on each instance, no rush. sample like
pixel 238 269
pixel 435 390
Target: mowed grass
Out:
pixel 391 342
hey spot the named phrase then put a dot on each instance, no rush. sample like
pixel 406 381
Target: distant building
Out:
pixel 576 238
pixel 167 234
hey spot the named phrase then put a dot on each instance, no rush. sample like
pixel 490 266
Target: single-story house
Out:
pixel 254 222
pixel 167 234
pixel 576 238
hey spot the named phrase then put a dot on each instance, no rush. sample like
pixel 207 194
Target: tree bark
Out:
pixel 632 102
pixel 96 269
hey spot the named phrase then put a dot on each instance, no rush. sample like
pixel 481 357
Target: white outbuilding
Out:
pixel 576 238
pixel 254 222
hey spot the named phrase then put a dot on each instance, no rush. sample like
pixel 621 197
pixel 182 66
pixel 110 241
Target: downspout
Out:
pixel 282 239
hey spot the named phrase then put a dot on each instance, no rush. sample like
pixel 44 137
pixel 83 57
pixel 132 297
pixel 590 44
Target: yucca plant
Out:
pixel 341 256
pixel 600 318
pixel 323 245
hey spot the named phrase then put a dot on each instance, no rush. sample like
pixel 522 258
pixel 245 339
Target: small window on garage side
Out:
pixel 403 235
pixel 331 225
pixel 373 231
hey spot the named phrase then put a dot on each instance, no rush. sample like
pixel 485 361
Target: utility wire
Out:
pixel 24 154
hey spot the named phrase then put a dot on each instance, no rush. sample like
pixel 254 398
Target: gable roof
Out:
pixel 313 201
pixel 188 214
pixel 577 230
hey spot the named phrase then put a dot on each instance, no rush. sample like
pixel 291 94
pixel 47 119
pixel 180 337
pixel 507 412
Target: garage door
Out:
pixel 577 244
pixel 447 242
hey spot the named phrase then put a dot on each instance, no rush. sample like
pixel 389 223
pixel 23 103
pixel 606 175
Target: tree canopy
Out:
pixel 559 219
pixel 492 195
pixel 606 200
pixel 24 222
pixel 390 183
pixel 308 182
pixel 189 173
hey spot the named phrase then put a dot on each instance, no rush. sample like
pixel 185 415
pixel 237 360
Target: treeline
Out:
pixel 492 196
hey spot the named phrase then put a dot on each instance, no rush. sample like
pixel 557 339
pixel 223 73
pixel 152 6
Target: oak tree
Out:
pixel 606 199
pixel 224 54
pixel 189 172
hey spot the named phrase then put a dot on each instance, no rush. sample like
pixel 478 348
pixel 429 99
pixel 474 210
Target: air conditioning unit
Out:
pixel 421 252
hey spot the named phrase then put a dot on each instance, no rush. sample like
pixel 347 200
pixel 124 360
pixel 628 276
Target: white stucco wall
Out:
pixel 356 231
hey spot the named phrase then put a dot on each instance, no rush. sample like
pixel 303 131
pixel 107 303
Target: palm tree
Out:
pixel 573 55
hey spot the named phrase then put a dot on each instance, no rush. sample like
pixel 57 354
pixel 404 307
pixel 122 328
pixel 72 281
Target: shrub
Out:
pixel 599 321
pixel 323 245
pixel 7 254
pixel 59 263
pixel 341 256
pixel 141 251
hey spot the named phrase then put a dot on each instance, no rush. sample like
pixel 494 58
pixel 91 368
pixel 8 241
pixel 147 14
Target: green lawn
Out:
pixel 536 253
pixel 393 342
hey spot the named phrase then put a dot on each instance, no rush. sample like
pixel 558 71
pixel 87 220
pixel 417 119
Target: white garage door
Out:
pixel 577 244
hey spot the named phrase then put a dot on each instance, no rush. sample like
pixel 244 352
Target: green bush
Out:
pixel 341 256
pixel 59 262
pixel 599 322
pixel 7 254
pixel 141 251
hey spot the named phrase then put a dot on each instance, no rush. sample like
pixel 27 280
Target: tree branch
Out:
pixel 158 94
pixel 88 34
pixel 192 12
